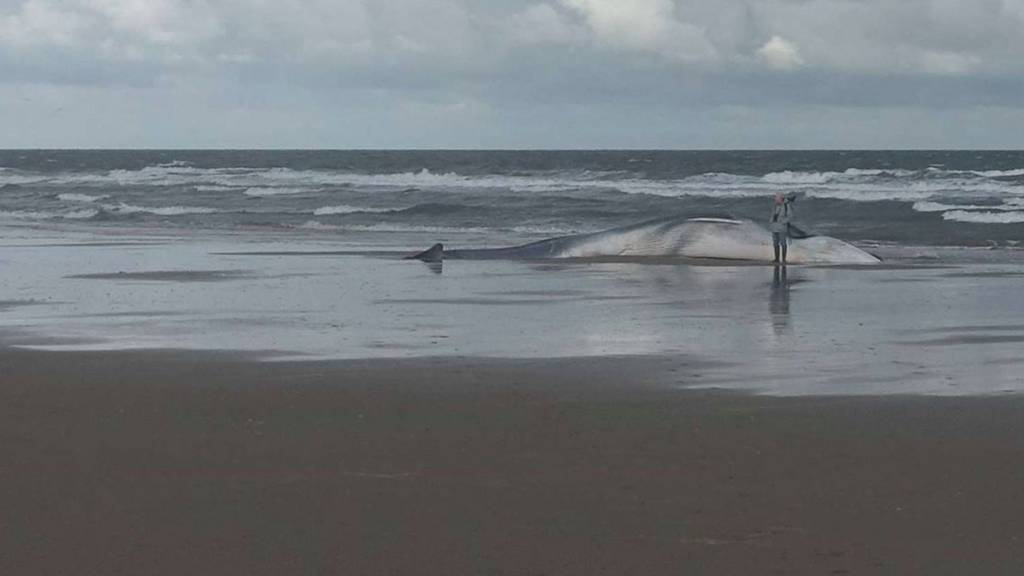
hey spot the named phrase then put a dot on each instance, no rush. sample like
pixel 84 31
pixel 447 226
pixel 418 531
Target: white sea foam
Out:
pixel 854 184
pixel 999 173
pixel 788 177
pixel 260 191
pixel 525 231
pixel 984 217
pixel 316 225
pixel 398 228
pixel 123 208
pixel 181 173
pixel 412 228
pixel 875 172
pixel 546 230
pixel 926 206
pixel 346 209
pixel 215 188
pixel 164 175
pixel 80 197
pixel 270 181
pixel 940 207
pixel 8 177
pixel 791 177
pixel 44 215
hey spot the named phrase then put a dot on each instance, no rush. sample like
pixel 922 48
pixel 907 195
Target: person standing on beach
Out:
pixel 782 214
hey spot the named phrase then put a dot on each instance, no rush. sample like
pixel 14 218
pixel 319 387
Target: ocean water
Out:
pixel 296 255
pixel 940 198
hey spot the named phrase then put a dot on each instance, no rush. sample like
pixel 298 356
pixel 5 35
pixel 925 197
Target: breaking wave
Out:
pixel 72 197
pixel 413 228
pixel 888 197
pixel 259 191
pixel 940 207
pixel 44 215
pixel 985 217
pixel 158 210
pixel 790 177
pixel 316 225
pixel 854 184
pixel 346 209
pixel 215 188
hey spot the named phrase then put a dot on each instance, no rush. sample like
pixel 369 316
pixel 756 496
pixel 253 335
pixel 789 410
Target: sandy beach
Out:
pixel 308 404
pixel 190 462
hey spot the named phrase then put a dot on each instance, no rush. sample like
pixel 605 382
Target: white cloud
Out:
pixel 780 54
pixel 542 24
pixel 40 22
pixel 158 21
pixel 425 27
pixel 947 63
pixel 293 31
pixel 877 36
pixel 637 24
pixel 649 25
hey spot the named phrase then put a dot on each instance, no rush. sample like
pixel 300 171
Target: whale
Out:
pixel 722 238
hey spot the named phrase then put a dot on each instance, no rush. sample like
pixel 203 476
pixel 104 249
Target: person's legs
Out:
pixel 776 241
pixel 784 244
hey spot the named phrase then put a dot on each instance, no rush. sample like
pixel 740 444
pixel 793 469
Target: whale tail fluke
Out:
pixel 433 254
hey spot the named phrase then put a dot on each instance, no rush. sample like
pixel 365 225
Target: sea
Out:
pixel 297 256
pixel 914 198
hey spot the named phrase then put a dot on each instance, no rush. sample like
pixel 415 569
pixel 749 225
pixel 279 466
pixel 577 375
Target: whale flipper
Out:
pixel 433 254
pixel 798 233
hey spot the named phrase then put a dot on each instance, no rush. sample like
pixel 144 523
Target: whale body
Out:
pixel 718 238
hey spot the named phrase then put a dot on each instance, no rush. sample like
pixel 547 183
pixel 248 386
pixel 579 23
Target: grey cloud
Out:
pixel 867 36
pixel 441 72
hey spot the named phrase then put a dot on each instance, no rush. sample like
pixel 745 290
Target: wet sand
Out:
pixel 886 329
pixel 210 463
pixel 168 275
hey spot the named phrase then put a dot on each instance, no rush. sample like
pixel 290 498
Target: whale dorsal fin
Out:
pixel 433 254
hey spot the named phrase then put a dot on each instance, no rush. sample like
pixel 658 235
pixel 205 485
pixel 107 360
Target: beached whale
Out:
pixel 722 238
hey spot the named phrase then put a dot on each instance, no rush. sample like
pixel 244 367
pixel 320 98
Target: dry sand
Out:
pixel 204 463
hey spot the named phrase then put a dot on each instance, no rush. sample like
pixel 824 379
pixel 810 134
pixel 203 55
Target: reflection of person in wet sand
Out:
pixel 778 303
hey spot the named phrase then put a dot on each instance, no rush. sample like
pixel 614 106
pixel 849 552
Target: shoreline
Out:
pixel 170 462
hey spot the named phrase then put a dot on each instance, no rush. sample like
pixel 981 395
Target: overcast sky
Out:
pixel 512 74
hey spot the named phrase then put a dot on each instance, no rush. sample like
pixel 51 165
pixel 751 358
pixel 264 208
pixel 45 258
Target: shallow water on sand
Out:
pixel 936 329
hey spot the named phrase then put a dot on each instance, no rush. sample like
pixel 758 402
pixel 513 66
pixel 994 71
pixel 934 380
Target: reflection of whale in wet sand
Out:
pixel 725 238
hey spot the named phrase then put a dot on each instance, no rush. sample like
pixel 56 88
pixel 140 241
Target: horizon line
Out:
pixel 483 149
